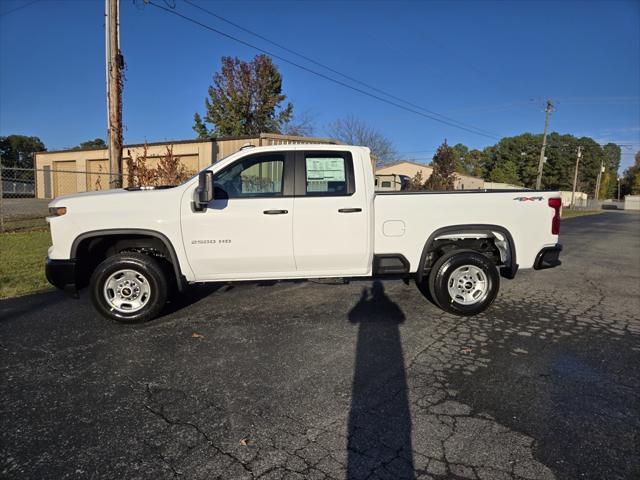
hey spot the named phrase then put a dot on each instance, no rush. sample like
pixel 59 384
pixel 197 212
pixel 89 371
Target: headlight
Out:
pixel 57 211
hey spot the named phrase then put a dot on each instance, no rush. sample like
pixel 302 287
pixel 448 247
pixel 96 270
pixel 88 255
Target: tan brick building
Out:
pixel 71 171
pixel 410 169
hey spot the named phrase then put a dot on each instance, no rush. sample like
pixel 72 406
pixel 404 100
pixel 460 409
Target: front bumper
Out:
pixel 548 257
pixel 62 274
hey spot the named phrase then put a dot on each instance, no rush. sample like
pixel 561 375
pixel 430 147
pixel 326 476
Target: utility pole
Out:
pixel 575 177
pixel 115 64
pixel 548 111
pixel 597 192
pixel 618 188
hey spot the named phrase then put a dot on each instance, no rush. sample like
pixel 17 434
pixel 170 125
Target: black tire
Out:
pixel 423 286
pixel 441 273
pixel 151 271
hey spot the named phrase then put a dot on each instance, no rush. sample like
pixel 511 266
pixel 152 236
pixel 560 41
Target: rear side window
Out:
pixel 327 175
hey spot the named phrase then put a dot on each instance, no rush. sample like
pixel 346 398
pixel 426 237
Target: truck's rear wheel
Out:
pixel 464 282
pixel 129 288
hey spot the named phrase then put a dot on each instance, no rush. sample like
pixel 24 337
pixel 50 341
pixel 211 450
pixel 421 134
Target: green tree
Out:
pixel 245 99
pixel 18 150
pixel 520 152
pixel 613 155
pixel 630 184
pixel 468 162
pixel 472 163
pixel 592 158
pixel 523 151
pixel 505 172
pixel 561 159
pixel 488 162
pixel 460 151
pixel 608 185
pixel 91 144
pixel 417 183
pixel 444 168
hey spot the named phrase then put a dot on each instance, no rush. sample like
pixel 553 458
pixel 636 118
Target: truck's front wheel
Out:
pixel 129 288
pixel 464 282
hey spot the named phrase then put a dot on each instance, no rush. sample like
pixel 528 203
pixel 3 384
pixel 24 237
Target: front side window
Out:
pixel 251 177
pixel 326 175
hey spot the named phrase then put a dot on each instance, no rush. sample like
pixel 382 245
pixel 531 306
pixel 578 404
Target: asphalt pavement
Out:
pixel 321 381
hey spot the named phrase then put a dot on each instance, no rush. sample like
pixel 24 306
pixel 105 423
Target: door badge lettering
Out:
pixel 210 241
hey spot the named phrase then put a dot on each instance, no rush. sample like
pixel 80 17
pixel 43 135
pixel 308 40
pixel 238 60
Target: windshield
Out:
pixel 208 167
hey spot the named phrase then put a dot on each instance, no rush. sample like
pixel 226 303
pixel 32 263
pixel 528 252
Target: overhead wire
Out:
pixel 430 115
pixel 326 67
pixel 2 14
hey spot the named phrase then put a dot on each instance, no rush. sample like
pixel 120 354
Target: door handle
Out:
pixel 275 212
pixel 349 210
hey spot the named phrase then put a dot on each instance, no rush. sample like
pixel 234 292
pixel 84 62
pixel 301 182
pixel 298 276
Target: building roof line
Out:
pixel 422 165
pixel 276 136
pixel 398 162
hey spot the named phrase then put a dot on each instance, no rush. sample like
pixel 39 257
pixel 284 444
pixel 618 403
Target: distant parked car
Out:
pixel 392 182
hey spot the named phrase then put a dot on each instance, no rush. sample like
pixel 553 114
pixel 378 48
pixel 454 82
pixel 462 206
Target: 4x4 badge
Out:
pixel 528 199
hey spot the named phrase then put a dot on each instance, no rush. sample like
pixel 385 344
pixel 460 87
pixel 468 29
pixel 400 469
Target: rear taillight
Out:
pixel 556 204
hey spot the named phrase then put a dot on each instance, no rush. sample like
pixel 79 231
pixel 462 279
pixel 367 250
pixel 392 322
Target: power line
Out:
pixel 319 74
pixel 18 8
pixel 322 65
pixel 495 107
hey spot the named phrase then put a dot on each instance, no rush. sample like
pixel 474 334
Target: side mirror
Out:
pixel 204 192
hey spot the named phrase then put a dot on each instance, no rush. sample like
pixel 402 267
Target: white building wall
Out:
pixel 501 186
pixel 580 199
pixel 632 202
pixel 410 169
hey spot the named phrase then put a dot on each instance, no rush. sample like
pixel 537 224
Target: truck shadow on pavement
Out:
pixel 11 308
pixel 191 295
pixel 543 385
pixel 379 424
pixel 537 387
pixel 564 378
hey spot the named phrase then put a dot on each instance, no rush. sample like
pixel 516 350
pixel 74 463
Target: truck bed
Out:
pixel 404 220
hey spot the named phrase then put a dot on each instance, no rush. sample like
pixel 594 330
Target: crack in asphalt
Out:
pixel 553 349
pixel 161 415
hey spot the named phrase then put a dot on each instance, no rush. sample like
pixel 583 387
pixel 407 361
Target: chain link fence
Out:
pixel 607 204
pixel 26 192
pixel 19 209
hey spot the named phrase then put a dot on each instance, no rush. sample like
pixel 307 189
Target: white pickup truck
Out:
pixel 295 212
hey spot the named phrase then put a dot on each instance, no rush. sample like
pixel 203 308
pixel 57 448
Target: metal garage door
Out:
pixel 97 175
pixel 65 181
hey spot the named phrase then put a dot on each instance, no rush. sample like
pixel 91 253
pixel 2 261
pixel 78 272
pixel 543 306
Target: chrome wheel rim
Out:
pixel 127 291
pixel 468 285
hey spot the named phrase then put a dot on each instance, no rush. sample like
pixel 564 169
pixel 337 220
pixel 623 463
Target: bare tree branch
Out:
pixel 354 131
pixel 302 125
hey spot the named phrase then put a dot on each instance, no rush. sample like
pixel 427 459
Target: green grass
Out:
pixel 22 256
pixel 24 224
pixel 566 213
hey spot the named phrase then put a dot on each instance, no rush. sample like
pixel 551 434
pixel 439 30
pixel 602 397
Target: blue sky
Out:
pixel 487 64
